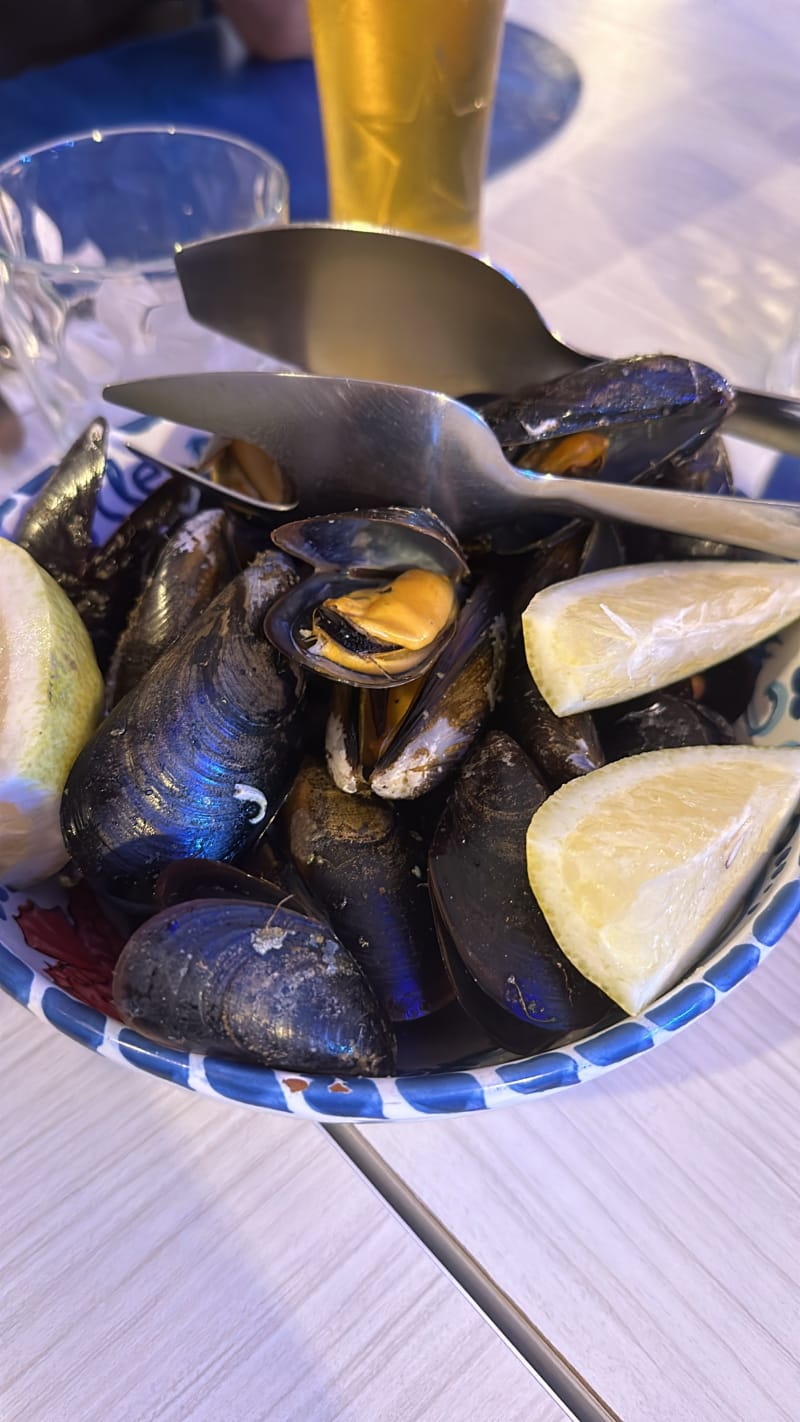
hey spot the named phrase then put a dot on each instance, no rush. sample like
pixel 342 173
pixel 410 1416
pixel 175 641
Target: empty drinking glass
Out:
pixel 88 231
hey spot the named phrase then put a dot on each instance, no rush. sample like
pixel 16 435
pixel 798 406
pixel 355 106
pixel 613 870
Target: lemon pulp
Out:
pixel 606 637
pixel 638 866
pixel 51 695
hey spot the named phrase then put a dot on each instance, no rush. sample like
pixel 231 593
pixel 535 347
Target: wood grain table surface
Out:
pixel 165 1257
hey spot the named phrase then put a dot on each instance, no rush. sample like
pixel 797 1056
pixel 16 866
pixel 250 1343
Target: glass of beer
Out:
pixel 406 90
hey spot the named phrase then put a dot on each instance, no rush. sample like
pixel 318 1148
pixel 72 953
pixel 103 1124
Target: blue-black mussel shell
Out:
pixel 196 760
pixel 56 526
pixel 641 411
pixel 358 859
pixel 506 967
pixel 252 981
pixel 192 568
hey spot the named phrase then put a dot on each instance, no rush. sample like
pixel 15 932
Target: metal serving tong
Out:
pixel 345 443
pixel 379 305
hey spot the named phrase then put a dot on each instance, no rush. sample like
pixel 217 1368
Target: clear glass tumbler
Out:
pixel 88 231
pixel 406 90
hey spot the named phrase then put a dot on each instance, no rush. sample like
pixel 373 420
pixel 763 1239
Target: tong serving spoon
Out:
pixel 385 306
pixel 344 443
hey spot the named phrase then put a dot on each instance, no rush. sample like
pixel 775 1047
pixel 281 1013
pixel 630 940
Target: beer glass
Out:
pixel 406 90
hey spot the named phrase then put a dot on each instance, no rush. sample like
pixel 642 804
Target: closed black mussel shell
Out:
pixel 196 760
pixel 368 875
pixel 666 722
pixel 56 527
pixel 193 566
pixel 506 966
pixel 252 981
pixel 706 470
pixel 561 747
pixel 114 575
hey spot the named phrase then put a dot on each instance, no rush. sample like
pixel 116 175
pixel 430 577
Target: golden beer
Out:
pixel 406 90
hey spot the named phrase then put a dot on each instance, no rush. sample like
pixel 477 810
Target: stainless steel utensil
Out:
pixel 345 443
pixel 382 306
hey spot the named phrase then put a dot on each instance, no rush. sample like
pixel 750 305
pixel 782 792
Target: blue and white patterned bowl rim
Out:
pixel 772 719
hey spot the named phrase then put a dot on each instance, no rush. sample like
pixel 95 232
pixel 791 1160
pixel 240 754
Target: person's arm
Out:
pixel 271 29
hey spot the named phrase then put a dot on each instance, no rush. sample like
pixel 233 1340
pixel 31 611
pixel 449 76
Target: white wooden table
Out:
pixel 163 1257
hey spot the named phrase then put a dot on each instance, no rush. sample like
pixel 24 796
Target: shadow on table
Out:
pixel 537 92
pixel 184 78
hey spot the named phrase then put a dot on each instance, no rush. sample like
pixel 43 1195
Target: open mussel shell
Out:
pixel 194 565
pixel 196 760
pixel 486 912
pixel 234 474
pixel 382 602
pixel 249 474
pixel 616 419
pixel 403 752
pixel 56 527
pixel 368 875
pixel 254 981
pixel 366 541
pixel 309 627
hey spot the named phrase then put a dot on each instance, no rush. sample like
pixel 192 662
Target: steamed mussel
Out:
pixel 706 470
pixel 187 879
pixel 315 787
pixel 416 656
pixel 199 755
pixel 265 984
pixel 383 598
pixel 103 582
pixel 506 967
pixel 561 747
pixel 621 421
pixel 662 722
pixel 621 418
pixel 194 565
pixel 402 742
pixel 56 527
pixel 362 864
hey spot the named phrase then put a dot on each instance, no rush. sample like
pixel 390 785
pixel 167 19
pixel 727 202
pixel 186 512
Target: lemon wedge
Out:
pixel 638 866
pixel 51 694
pixel 608 636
